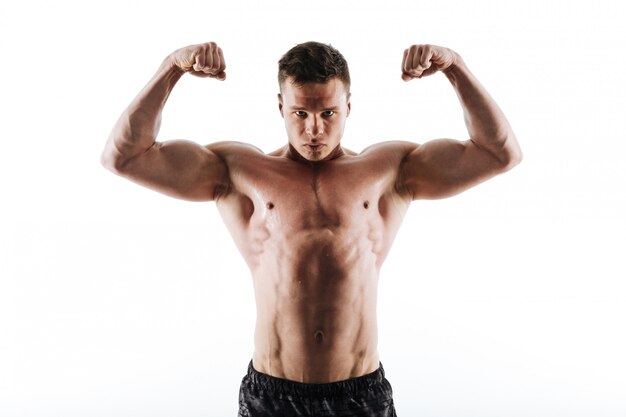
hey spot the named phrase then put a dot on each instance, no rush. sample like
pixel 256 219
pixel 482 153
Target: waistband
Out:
pixel 352 385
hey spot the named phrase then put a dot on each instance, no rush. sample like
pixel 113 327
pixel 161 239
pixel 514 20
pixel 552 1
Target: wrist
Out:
pixel 169 66
pixel 458 71
pixel 457 64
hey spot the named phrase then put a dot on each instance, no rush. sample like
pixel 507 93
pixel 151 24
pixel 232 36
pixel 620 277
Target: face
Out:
pixel 315 115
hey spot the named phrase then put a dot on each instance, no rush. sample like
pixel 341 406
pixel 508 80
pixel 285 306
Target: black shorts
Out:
pixel 263 395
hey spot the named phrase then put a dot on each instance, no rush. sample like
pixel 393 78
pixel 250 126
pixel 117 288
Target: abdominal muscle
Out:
pixel 316 306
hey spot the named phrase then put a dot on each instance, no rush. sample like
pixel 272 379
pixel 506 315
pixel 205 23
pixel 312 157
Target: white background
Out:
pixel 508 300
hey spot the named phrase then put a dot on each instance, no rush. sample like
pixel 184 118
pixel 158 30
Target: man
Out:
pixel 313 220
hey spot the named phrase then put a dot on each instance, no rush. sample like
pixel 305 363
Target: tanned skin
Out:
pixel 313 220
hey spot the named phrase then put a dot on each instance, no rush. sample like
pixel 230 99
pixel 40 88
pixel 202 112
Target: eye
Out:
pixel 300 113
pixel 328 113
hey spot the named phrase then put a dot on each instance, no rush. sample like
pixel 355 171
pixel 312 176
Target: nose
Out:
pixel 314 127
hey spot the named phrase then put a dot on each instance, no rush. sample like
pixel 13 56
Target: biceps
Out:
pixel 446 167
pixel 180 169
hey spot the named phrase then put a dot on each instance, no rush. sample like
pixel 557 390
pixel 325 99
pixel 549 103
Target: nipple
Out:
pixel 269 205
pixel 366 204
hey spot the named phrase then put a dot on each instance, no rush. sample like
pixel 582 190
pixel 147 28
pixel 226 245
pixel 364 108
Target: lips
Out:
pixel 314 146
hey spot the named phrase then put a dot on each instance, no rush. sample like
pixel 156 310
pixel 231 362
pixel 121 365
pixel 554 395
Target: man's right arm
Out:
pixel 178 168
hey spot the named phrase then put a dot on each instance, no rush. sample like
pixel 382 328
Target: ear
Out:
pixel 348 102
pixel 280 105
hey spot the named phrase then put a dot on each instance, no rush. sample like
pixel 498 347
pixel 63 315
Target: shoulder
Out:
pixel 228 148
pixel 392 146
pixel 393 151
pixel 391 157
pixel 235 154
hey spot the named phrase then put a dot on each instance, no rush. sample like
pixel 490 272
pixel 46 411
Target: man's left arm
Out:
pixel 445 167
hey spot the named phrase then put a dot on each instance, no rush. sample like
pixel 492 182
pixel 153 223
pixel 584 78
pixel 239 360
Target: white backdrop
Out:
pixel 508 300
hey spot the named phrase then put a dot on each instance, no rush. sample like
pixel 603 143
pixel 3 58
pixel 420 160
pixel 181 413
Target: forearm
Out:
pixel 486 124
pixel 137 128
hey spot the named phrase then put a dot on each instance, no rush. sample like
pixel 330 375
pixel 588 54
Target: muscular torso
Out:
pixel 314 237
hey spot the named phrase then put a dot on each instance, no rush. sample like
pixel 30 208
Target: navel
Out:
pixel 319 336
pixel 269 205
pixel 366 204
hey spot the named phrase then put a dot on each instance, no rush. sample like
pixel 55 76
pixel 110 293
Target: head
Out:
pixel 314 99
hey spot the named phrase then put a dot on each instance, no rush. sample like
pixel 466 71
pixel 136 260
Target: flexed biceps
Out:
pixel 314 221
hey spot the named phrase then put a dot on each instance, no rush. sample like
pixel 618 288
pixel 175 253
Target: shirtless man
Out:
pixel 313 220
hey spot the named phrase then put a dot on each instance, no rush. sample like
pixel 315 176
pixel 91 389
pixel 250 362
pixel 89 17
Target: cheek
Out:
pixel 294 125
pixel 335 126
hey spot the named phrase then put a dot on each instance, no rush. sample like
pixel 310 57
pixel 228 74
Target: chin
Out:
pixel 317 156
pixel 314 157
pixel 307 154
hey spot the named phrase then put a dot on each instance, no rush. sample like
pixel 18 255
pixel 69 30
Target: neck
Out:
pixel 291 153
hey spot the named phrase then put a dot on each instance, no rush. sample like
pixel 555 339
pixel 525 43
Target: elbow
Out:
pixel 511 160
pixel 126 140
pixel 511 154
pixel 112 161
pixel 108 162
pixel 516 159
pixel 515 155
pixel 117 153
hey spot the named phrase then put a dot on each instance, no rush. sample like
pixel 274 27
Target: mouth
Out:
pixel 314 147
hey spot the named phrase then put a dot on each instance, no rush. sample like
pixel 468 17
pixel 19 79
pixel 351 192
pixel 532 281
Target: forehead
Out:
pixel 328 94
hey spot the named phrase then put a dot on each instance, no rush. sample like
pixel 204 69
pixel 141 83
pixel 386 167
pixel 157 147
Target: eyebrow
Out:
pixel 333 108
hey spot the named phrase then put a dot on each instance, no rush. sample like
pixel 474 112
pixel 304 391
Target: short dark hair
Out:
pixel 313 62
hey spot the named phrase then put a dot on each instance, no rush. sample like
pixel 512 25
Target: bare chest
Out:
pixel 325 197
pixel 281 209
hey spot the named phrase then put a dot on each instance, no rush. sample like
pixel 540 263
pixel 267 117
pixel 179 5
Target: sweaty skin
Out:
pixel 313 220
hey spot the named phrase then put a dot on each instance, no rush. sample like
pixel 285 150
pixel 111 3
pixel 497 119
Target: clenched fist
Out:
pixel 202 60
pixel 423 60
